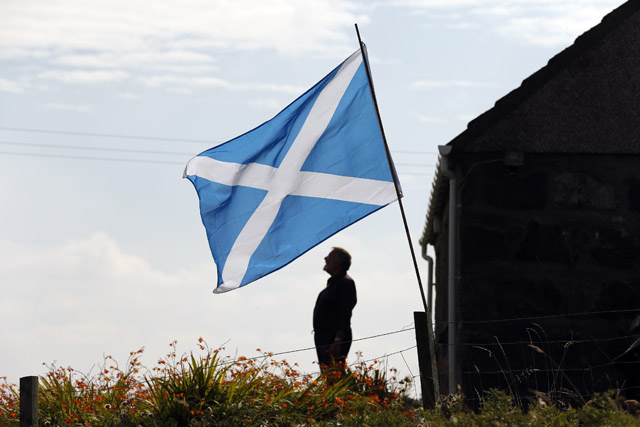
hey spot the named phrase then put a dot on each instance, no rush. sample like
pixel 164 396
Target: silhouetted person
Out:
pixel 332 313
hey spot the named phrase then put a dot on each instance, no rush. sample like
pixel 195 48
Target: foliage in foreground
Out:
pixel 210 390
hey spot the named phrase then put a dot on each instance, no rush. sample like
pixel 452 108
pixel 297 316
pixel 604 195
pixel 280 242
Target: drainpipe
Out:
pixel 445 151
pixel 429 280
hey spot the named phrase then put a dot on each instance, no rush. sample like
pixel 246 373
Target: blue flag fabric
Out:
pixel 270 195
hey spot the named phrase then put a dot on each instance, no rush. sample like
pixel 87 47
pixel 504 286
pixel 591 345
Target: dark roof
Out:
pixel 515 98
pixel 537 80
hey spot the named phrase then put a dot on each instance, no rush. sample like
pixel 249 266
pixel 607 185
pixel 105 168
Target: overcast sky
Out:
pixel 102 256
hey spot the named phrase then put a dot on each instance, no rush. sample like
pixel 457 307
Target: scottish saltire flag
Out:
pixel 270 195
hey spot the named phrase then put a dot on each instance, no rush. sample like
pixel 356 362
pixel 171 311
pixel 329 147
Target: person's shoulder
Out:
pixel 348 280
pixel 343 280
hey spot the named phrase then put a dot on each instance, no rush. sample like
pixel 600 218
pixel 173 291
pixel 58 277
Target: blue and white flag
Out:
pixel 270 195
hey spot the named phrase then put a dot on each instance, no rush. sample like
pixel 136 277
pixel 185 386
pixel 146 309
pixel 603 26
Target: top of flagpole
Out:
pixel 391 167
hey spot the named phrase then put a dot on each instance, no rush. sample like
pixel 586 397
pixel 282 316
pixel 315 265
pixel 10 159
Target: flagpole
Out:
pixel 392 169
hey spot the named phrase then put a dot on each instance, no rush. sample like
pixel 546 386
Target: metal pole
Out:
pixel 445 152
pixel 428 376
pixel 391 167
pixel 452 286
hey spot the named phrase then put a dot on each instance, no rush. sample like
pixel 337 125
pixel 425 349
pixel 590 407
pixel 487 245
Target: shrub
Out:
pixel 207 389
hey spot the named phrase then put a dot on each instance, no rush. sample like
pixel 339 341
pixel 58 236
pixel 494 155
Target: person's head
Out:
pixel 337 262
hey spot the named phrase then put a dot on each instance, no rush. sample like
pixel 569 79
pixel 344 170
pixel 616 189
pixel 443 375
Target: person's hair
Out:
pixel 344 256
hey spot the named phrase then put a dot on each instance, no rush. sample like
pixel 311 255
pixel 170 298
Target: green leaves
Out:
pixel 202 389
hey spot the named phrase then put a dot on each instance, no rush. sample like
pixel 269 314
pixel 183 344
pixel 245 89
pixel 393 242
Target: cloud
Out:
pixel 84 77
pixel 95 262
pixel 536 22
pixel 84 295
pixel 178 80
pixel 271 104
pixel 556 29
pixel 187 59
pixel 98 41
pixel 121 26
pixel 10 86
pixel 129 96
pixel 430 119
pixel 67 107
pixel 466 118
pixel 185 82
pixel 8 52
pixel 447 84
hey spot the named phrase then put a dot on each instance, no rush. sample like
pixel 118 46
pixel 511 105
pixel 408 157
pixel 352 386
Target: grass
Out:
pixel 207 389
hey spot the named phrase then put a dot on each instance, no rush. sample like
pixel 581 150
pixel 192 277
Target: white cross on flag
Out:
pixel 270 195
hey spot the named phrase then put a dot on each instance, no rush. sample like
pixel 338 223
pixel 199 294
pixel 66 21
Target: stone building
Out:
pixel 535 216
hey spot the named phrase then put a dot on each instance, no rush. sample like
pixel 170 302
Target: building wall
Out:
pixel 557 236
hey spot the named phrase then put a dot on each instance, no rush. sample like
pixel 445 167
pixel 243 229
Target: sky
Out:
pixel 102 103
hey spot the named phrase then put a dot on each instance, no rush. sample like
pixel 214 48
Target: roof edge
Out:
pixel 535 81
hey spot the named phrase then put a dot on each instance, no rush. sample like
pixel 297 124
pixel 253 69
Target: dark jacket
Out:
pixel 334 305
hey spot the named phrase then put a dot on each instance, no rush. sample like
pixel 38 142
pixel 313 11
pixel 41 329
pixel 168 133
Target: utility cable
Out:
pixel 540 342
pixel 127 150
pixel 152 138
pixel 550 316
pixel 61 156
pixel 79 147
pixel 109 135
pixel 109 159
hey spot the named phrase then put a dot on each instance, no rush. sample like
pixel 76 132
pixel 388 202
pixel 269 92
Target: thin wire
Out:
pixel 264 356
pixel 61 156
pixel 536 370
pixel 415 164
pixel 414 152
pixel 109 135
pixel 401 352
pixel 564 341
pixel 127 150
pixel 385 355
pixel 416 173
pixel 313 348
pixel 415 387
pixel 153 138
pixel 360 362
pixel 406 364
pixel 550 316
pixel 78 147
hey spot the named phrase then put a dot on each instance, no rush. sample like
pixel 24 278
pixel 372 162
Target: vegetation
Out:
pixel 207 389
